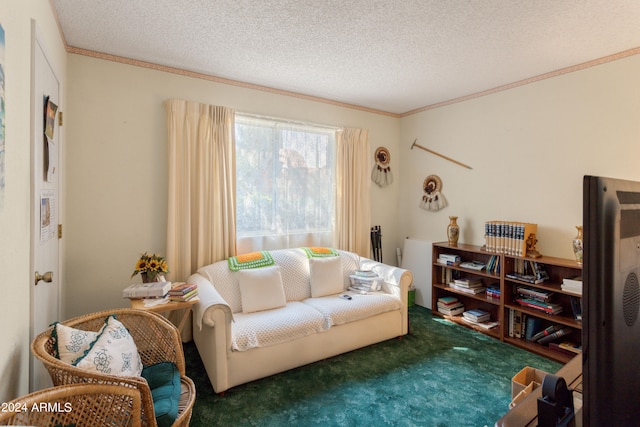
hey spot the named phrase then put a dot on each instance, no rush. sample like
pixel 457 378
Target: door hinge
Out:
pixel 59 231
pixel 59 118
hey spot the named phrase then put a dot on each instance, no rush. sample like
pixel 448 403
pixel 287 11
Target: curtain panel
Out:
pixel 353 207
pixel 201 210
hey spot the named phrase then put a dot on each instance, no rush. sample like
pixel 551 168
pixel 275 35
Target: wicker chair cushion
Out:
pixel 69 343
pixel 113 352
pixel 164 381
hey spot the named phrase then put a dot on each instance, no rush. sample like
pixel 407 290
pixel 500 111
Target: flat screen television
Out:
pixel 611 302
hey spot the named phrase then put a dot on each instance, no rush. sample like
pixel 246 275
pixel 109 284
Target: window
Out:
pixel 285 184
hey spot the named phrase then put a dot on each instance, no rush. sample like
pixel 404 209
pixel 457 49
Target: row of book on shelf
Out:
pixel 532 329
pixel 451 306
pixel 174 291
pixel 507 237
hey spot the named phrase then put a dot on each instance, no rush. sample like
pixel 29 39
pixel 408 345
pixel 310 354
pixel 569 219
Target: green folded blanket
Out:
pixel 319 252
pixel 250 260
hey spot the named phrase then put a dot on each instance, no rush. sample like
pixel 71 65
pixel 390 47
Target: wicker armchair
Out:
pixel 157 339
pixel 76 404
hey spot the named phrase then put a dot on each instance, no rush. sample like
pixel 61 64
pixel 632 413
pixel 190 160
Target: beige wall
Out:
pixel 116 166
pixel 529 148
pixel 15 272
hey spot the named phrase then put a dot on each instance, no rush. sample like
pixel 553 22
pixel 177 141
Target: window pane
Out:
pixel 285 182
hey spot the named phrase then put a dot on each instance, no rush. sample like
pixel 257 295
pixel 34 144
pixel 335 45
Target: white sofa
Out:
pixel 306 326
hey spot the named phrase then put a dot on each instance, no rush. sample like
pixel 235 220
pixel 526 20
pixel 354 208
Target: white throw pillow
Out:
pixel 326 276
pixel 70 343
pixel 261 289
pixel 113 353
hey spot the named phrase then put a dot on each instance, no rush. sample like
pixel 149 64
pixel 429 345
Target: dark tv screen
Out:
pixel 611 302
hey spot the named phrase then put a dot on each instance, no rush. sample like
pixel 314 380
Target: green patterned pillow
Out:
pixel 114 352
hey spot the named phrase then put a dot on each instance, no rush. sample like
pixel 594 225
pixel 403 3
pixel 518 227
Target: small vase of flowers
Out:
pixel 152 268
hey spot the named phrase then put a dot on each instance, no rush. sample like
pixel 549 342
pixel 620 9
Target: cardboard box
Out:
pixel 520 396
pixel 525 377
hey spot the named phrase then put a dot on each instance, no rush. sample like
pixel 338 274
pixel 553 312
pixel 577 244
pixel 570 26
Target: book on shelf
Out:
pixel 517 324
pixel 146 290
pixel 448 300
pixel 554 335
pixel 529 278
pixel 533 326
pixel 466 290
pixel 456 304
pixel 450 257
pixel 448 262
pixel 572 285
pixel 546 331
pixel 487 324
pixel 576 307
pixel 535 293
pixel 547 307
pixel 493 291
pixel 557 348
pixel 571 346
pixel 477 315
pixel 468 283
pixel 493 266
pixel 473 265
pixel 451 311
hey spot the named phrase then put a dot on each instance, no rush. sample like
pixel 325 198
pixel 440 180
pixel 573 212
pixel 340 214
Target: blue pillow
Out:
pixel 164 382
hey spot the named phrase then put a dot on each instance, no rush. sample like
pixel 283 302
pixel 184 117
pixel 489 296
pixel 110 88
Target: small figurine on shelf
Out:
pixel 531 247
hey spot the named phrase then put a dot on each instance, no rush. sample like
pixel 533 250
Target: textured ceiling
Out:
pixel 392 56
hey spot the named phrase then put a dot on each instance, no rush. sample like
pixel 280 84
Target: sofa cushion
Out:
pixel 164 381
pixel 270 327
pixel 261 289
pixel 114 352
pixel 326 276
pixel 338 311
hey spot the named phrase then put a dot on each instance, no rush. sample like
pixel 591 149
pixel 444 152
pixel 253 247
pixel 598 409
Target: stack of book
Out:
pixel 365 281
pixel 480 318
pixel 449 259
pixel 536 304
pixel 493 291
pixel 146 290
pixel 476 315
pixel 572 284
pixel 183 292
pixel 450 306
pixel 468 286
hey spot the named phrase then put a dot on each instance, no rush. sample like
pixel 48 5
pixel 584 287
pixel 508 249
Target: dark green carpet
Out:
pixel 440 375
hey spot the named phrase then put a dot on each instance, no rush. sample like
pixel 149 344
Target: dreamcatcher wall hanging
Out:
pixel 432 200
pixel 381 173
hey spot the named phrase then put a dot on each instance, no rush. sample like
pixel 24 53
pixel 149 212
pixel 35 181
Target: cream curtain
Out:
pixel 201 217
pixel 353 213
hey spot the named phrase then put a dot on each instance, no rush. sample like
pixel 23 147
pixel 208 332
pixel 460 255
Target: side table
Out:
pixel 167 308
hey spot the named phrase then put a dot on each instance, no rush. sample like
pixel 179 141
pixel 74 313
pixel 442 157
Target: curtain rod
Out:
pixel 290 121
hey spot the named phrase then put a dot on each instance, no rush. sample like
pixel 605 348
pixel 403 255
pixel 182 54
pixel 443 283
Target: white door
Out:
pixel 45 203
